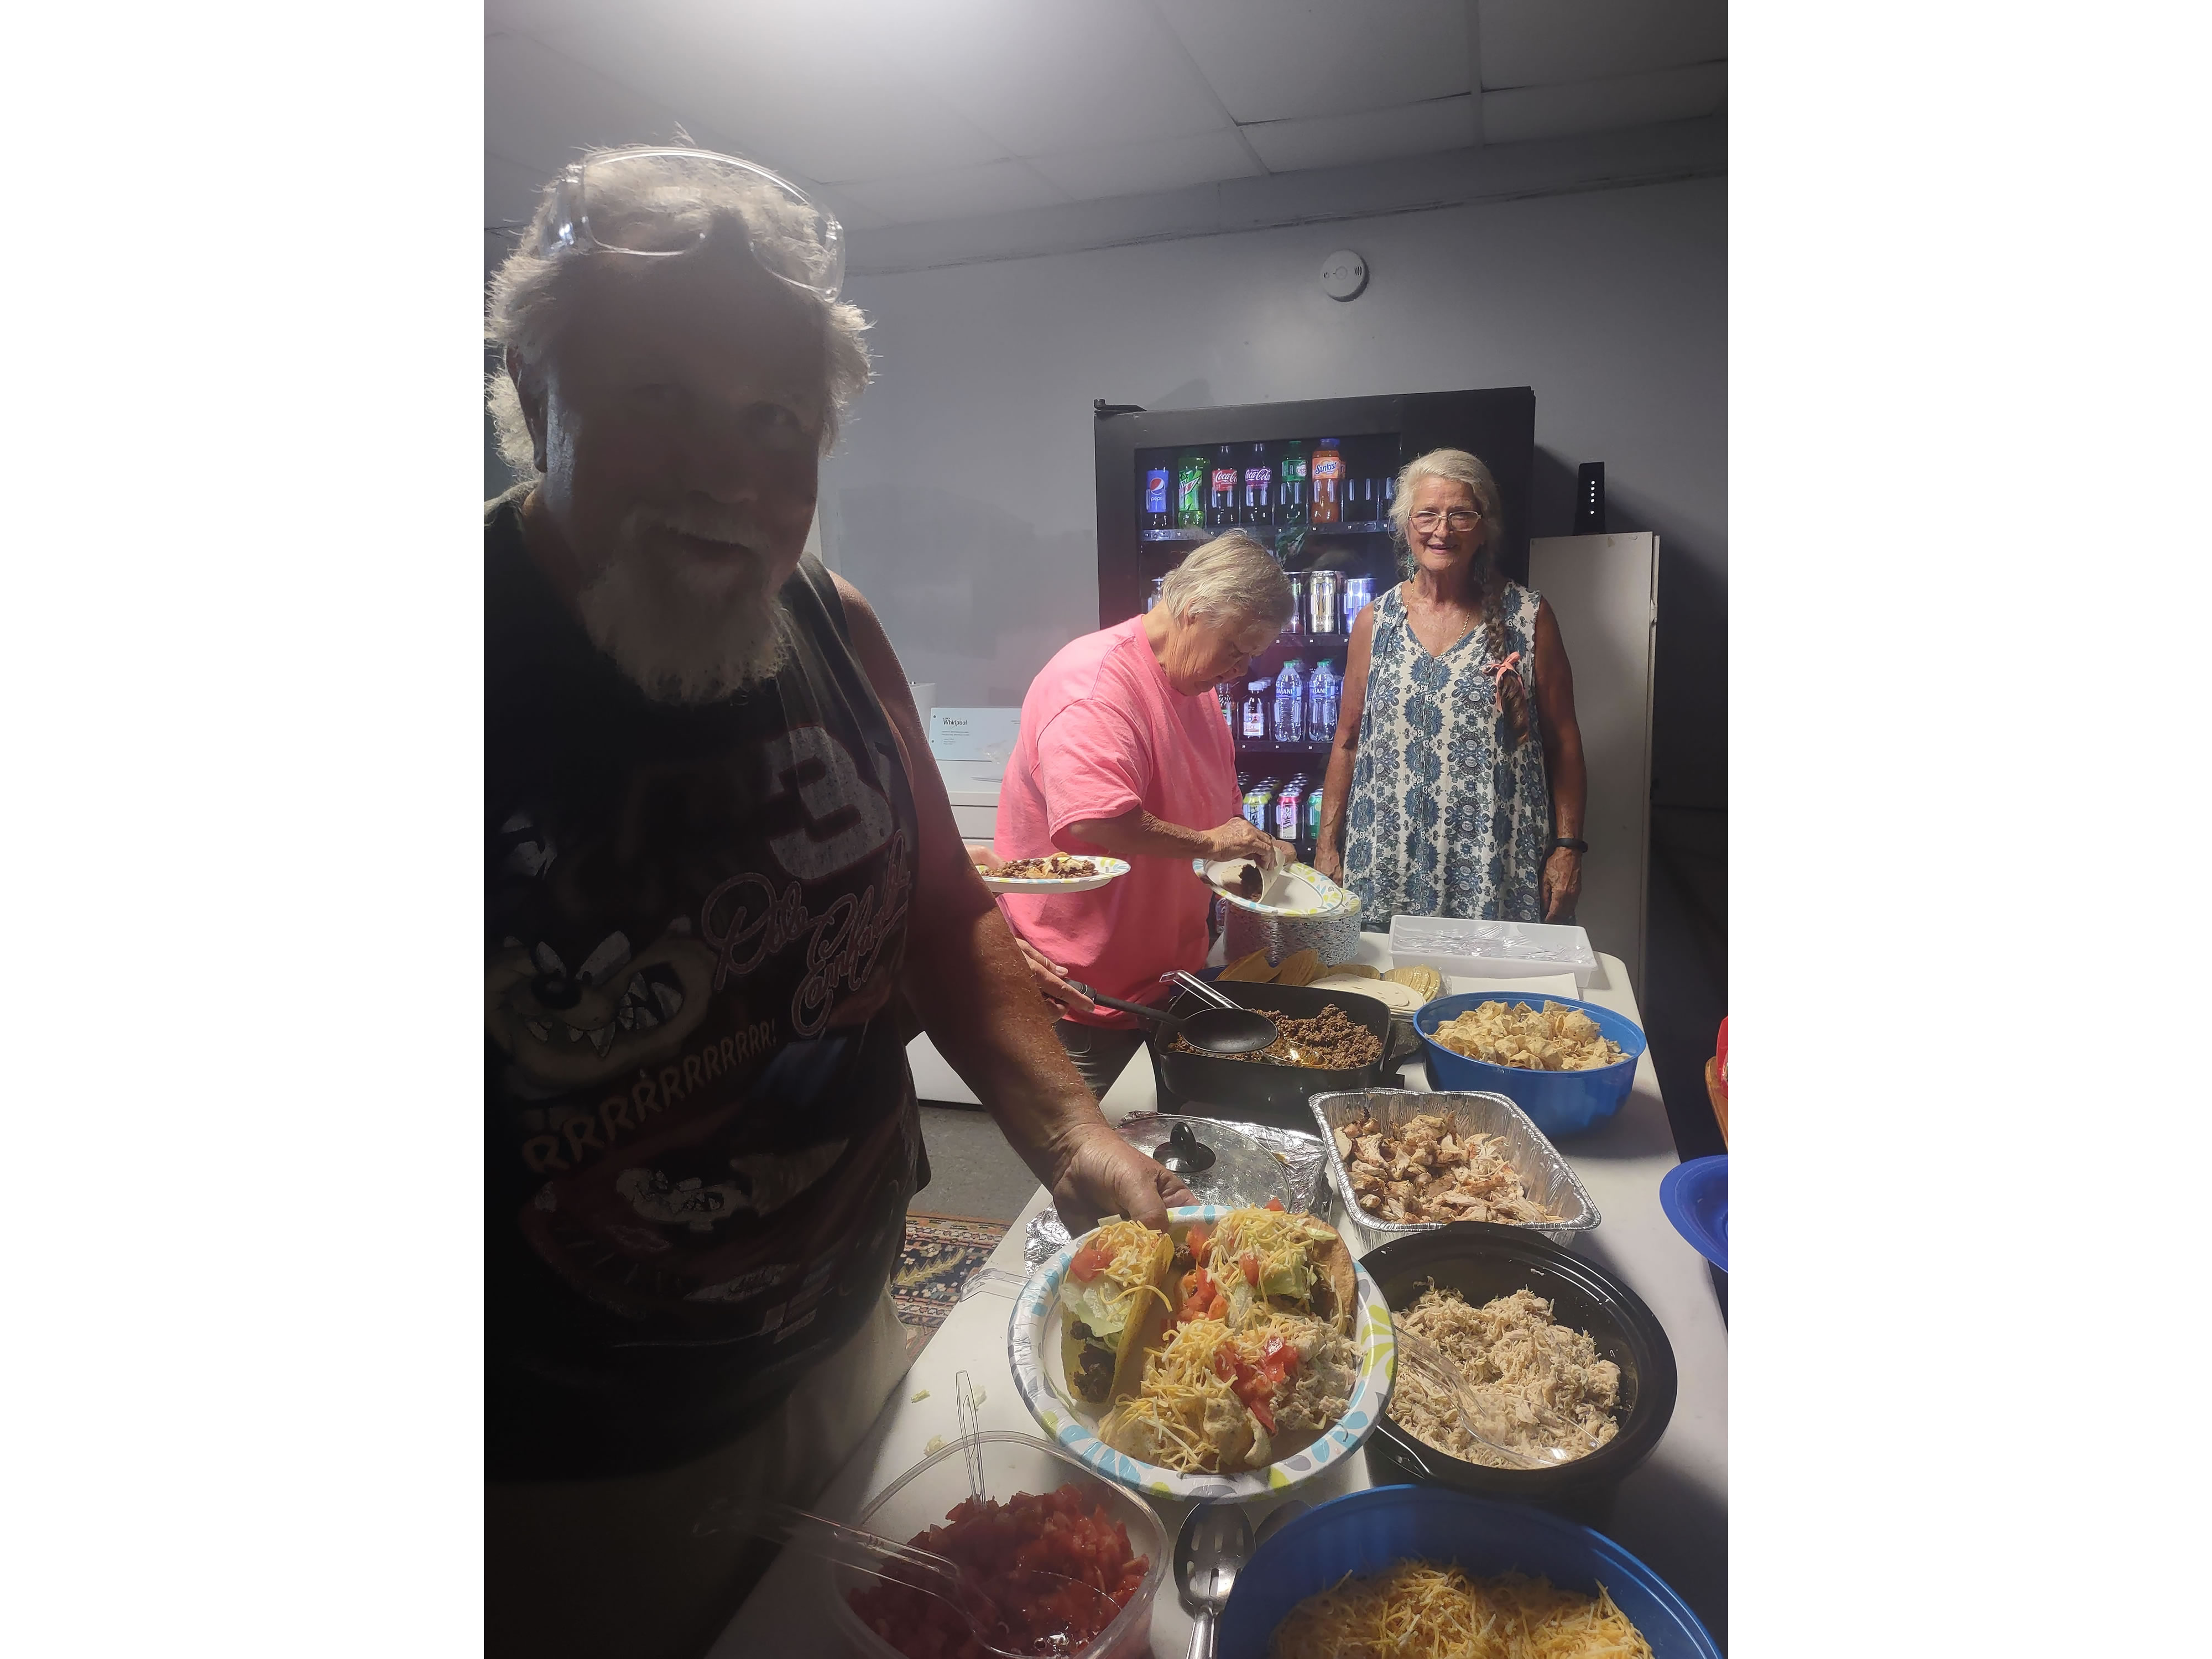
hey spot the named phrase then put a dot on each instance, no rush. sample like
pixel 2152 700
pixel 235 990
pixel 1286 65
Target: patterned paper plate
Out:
pixel 1307 891
pixel 1033 1348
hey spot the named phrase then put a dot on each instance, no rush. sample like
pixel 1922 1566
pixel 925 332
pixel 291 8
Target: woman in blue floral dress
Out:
pixel 1456 786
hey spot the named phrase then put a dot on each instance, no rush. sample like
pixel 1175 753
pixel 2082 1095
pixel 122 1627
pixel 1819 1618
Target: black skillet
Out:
pixel 1215 1030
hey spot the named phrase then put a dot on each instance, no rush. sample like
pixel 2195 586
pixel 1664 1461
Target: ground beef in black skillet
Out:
pixel 1332 1041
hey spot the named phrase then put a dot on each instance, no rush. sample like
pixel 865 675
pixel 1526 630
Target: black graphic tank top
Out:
pixel 700 1131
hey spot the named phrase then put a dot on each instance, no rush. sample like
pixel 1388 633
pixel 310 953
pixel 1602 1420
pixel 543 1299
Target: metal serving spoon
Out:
pixel 1212 1548
pixel 1212 1031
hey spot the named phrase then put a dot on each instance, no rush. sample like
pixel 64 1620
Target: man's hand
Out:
pixel 983 857
pixel 1050 976
pixel 1329 860
pixel 1237 839
pixel 1100 1174
pixel 1562 884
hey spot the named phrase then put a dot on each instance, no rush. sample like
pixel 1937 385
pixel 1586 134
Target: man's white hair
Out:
pixel 1233 581
pixel 531 290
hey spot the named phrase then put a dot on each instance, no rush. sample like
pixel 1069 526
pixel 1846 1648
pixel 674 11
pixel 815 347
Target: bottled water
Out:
pixel 1290 702
pixel 1324 692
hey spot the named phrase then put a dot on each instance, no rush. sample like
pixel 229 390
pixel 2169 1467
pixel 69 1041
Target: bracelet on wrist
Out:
pixel 1571 843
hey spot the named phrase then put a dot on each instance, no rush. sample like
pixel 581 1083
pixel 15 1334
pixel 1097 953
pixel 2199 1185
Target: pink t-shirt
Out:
pixel 1103 732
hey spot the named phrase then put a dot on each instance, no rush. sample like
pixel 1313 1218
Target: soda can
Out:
pixel 1290 628
pixel 1259 805
pixel 1358 594
pixel 1322 591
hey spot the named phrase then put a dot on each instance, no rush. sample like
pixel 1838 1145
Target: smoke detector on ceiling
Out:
pixel 1343 274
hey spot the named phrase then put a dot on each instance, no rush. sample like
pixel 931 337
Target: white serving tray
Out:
pixel 1491 950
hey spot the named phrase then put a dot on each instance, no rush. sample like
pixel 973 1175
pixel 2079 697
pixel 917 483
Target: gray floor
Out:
pixel 972 1171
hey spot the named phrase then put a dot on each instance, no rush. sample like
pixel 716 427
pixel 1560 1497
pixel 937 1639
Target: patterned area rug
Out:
pixel 941 1252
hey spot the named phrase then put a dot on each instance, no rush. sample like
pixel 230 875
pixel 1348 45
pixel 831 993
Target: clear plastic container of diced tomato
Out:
pixel 1082 1535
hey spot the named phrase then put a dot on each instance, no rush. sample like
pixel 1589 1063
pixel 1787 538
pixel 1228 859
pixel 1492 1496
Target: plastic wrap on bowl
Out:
pixel 1012 1463
pixel 1303 1158
pixel 1547 1177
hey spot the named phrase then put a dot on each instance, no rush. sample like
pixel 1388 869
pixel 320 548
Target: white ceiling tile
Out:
pixel 541 107
pixel 1537 42
pixel 1161 164
pixel 511 190
pixel 788 91
pixel 1047 76
pixel 538 17
pixel 1626 101
pixel 1278 60
pixel 851 212
pixel 1375 135
pixel 963 193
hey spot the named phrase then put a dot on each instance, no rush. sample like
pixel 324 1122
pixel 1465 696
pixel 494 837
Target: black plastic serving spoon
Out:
pixel 1213 1031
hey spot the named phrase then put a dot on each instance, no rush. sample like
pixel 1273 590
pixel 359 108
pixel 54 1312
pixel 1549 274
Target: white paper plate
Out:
pixel 1289 890
pixel 1033 1351
pixel 1108 869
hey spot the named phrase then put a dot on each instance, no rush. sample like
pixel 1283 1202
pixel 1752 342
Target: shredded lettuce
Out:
pixel 1103 1304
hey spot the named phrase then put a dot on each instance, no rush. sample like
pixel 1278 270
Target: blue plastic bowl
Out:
pixel 1695 1195
pixel 1559 1103
pixel 1367 1531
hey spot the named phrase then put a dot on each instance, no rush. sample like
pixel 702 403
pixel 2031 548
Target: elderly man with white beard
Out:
pixel 723 884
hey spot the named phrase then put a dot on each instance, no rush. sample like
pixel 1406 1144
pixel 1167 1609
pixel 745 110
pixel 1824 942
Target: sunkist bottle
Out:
pixel 1328 506
pixel 1190 491
pixel 1290 485
pixel 1258 505
pixel 1159 497
pixel 1225 490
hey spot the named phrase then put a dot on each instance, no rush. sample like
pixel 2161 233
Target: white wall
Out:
pixel 962 498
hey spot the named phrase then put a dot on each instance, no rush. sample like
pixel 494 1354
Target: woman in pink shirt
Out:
pixel 1123 751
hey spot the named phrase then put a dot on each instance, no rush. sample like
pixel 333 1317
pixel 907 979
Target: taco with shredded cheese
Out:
pixel 1259 1262
pixel 1113 1298
pixel 1224 1401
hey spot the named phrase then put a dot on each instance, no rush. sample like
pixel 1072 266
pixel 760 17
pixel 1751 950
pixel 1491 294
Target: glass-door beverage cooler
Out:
pixel 1314 481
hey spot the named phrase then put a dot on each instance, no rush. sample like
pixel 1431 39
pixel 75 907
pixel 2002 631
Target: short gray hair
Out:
pixel 1233 579
pixel 530 292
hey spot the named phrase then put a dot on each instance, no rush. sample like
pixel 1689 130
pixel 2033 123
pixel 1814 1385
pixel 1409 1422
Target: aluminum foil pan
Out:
pixel 1547 1177
pixel 1304 1158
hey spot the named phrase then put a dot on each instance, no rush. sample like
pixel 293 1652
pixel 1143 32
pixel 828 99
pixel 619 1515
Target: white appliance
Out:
pixel 1605 591
pixel 971 747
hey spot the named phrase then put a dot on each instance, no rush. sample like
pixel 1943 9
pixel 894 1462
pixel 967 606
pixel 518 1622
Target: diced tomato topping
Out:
pixel 1199 1296
pixel 1090 1261
pixel 1070 1532
pixel 1276 1205
pixel 1258 1407
pixel 1195 1241
pixel 1250 1263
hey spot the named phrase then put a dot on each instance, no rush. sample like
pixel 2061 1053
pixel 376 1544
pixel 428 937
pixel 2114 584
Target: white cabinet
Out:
pixel 1605 591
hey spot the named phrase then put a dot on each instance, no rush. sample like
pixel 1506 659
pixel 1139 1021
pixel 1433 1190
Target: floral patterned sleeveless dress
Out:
pixel 1446 819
